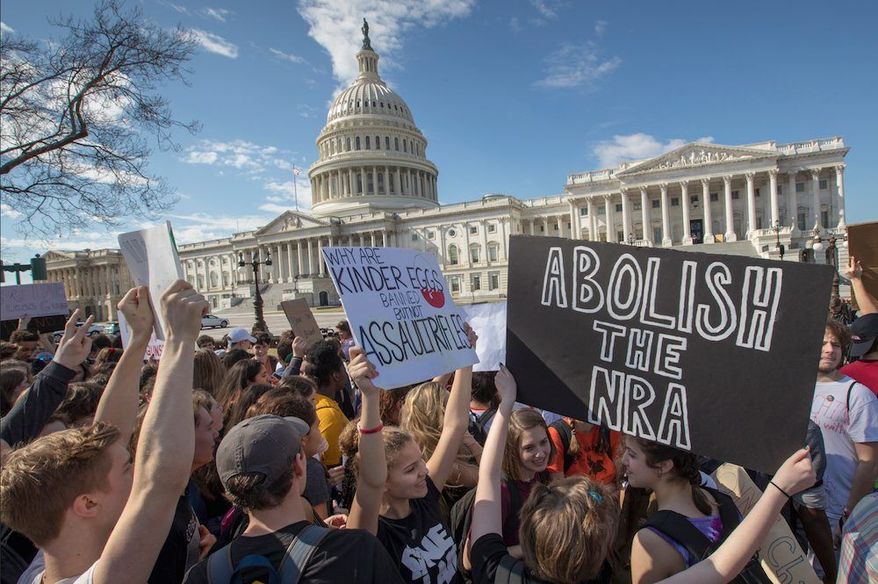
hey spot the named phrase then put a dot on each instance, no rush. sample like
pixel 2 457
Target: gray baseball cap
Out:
pixel 263 444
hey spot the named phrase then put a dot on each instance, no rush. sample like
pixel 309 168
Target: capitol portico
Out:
pixel 373 185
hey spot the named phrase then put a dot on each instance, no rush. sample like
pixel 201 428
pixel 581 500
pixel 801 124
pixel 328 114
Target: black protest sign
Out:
pixel 37 324
pixel 710 353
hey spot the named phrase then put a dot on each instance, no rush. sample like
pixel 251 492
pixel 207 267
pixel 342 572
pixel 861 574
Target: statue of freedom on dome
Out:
pixel 367 46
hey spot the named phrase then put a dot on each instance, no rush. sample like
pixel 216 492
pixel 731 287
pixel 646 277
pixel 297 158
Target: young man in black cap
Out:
pixel 262 467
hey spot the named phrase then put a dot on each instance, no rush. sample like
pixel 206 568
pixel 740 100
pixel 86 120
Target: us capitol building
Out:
pixel 374 186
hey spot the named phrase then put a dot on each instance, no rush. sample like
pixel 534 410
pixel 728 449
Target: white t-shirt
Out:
pixel 37 568
pixel 841 430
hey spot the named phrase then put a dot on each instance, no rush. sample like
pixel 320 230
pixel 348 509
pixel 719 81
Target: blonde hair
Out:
pixel 208 372
pixel 567 529
pixel 519 422
pixel 423 411
pixel 40 481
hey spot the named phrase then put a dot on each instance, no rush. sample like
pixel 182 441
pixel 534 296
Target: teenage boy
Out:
pixel 76 494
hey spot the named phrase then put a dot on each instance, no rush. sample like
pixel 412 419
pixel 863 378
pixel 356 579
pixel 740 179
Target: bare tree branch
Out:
pixel 75 115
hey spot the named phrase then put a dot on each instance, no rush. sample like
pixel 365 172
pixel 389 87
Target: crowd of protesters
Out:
pixel 255 459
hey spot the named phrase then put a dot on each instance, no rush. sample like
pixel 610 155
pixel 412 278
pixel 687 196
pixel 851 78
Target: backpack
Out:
pixel 221 570
pixel 461 519
pixel 477 423
pixel 565 432
pixel 678 528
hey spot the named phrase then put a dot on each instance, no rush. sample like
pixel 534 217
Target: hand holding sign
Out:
pixel 506 388
pixel 796 474
pixel 75 345
pixel 362 372
pixel 182 308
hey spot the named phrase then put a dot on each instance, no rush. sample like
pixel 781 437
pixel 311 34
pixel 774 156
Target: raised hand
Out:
pixel 298 347
pixel 362 372
pixel 138 313
pixel 506 387
pixel 471 335
pixel 183 308
pixel 854 271
pixel 796 473
pixel 75 345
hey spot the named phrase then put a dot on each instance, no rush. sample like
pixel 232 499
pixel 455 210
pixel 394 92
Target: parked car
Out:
pixel 211 321
pixel 111 328
pixel 94 329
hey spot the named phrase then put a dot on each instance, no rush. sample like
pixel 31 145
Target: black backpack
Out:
pixel 477 423
pixel 221 570
pixel 678 528
pixel 461 519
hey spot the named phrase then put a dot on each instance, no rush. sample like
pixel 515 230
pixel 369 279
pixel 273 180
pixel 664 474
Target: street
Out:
pixel 276 321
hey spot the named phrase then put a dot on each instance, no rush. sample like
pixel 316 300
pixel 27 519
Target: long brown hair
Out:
pixel 519 422
pixel 685 468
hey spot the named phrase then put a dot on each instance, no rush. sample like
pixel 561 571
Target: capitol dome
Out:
pixel 372 155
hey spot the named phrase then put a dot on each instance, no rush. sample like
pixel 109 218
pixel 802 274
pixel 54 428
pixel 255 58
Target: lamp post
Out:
pixel 817 244
pixel 778 245
pixel 37 268
pixel 631 239
pixel 257 302
pixel 832 260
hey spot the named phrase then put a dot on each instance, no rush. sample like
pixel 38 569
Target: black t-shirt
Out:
pixel 421 544
pixel 352 556
pixel 179 548
pixel 489 550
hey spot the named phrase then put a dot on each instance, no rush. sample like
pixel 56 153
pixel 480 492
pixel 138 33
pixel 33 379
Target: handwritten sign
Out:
pixel 46 299
pixel 400 312
pixel 863 245
pixel 708 353
pixel 302 320
pixel 489 320
pixel 153 261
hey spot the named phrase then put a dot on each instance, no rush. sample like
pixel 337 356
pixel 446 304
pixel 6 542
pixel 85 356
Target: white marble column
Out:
pixel 626 215
pixel 309 258
pixel 320 263
pixel 684 201
pixel 772 187
pixel 645 216
pixel 730 234
pixel 504 239
pixel 278 262
pixel 443 252
pixel 793 202
pixel 666 217
pixel 611 219
pixel 708 220
pixel 839 185
pixel 815 192
pixel 290 269
pixel 592 236
pixel 751 203
pixel 383 238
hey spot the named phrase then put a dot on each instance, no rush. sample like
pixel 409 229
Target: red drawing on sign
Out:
pixel 435 298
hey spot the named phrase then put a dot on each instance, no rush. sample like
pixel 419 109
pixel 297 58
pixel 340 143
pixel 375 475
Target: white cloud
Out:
pixel 7 211
pixel 219 14
pixel 213 43
pixel 636 147
pixel 287 56
pixel 600 28
pixel 6 28
pixel 576 66
pixel 201 157
pixel 335 25
pixel 547 8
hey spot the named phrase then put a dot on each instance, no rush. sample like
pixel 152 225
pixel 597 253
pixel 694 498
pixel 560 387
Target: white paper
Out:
pixel 46 299
pixel 153 348
pixel 153 261
pixel 400 311
pixel 489 322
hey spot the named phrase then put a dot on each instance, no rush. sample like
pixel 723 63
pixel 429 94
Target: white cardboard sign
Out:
pixel 33 300
pixel 489 321
pixel 400 311
pixel 153 261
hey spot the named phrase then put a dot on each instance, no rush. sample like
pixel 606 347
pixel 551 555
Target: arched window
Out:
pixel 475 253
pixel 348 144
pixel 396 143
pixel 377 142
pixel 452 254
pixel 405 147
pixel 357 143
pixel 368 143
pixel 387 142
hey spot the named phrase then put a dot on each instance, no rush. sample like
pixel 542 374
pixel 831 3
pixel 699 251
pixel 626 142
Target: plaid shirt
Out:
pixel 859 544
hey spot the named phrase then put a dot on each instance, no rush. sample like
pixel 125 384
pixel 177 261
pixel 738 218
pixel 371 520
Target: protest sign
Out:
pixel 153 261
pixel 400 312
pixel 489 321
pixel 863 245
pixel 709 353
pixel 33 300
pixel 302 320
pixel 154 347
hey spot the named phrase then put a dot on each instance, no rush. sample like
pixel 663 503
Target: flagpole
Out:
pixel 295 189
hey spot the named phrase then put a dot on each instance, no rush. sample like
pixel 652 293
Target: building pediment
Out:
pixel 696 155
pixel 290 221
pixel 57 256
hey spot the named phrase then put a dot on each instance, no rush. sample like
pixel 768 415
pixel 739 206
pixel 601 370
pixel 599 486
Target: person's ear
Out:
pixel 666 466
pixel 85 506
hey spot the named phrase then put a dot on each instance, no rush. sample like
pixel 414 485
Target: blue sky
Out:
pixel 512 95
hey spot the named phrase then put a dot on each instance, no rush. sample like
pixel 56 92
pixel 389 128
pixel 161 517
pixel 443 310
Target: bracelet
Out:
pixel 375 430
pixel 776 487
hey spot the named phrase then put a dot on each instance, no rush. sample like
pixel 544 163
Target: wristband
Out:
pixel 779 489
pixel 375 430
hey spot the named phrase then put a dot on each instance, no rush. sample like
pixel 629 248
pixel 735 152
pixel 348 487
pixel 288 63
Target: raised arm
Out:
pixel 727 562
pixel 868 303
pixel 454 424
pixel 164 450
pixel 118 404
pixel 373 462
pixel 487 514
pixel 26 419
